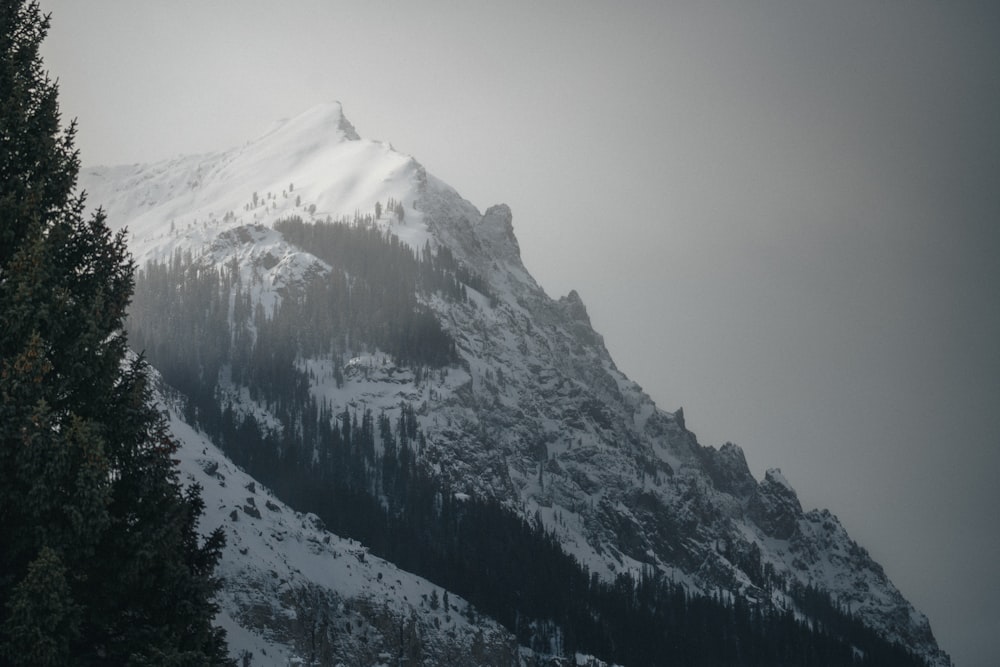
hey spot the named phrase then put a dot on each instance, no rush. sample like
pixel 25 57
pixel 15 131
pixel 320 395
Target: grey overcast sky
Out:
pixel 781 215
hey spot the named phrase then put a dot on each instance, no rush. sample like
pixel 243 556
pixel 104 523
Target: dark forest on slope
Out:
pixel 364 474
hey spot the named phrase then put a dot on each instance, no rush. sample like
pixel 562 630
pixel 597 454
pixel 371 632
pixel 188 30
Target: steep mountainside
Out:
pixel 295 592
pixel 322 277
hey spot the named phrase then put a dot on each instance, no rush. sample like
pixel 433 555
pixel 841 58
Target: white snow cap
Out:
pixel 324 123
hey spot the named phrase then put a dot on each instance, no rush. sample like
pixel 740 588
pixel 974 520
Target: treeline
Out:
pixel 180 320
pixel 363 250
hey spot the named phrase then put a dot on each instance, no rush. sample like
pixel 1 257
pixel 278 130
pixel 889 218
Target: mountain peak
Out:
pixel 323 122
pixel 775 508
pixel 313 164
pixel 574 307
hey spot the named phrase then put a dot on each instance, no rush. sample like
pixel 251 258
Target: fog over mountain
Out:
pixel 792 210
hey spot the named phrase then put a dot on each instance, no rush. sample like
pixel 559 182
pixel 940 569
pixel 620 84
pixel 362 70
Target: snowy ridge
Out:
pixel 310 159
pixel 535 415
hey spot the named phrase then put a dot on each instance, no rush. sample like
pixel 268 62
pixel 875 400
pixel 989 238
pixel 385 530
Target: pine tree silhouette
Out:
pixel 100 559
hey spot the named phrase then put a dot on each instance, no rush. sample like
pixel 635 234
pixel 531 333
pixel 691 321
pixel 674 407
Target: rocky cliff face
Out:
pixel 623 483
pixel 534 413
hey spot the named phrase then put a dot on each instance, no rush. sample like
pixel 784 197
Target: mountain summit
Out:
pixel 367 344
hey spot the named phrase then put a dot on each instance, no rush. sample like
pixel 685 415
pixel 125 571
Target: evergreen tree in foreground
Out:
pixel 100 559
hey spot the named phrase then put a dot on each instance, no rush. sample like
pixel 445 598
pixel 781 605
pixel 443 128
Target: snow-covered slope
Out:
pixel 313 160
pixel 296 594
pixel 535 414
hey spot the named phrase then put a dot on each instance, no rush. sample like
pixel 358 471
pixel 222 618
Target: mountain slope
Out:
pixel 294 591
pixel 528 410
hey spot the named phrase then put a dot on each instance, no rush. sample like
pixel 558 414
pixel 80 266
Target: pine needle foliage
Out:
pixel 100 558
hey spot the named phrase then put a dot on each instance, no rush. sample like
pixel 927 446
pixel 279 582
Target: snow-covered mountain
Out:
pixel 530 411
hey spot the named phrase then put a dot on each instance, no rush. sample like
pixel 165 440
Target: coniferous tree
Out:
pixel 100 560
